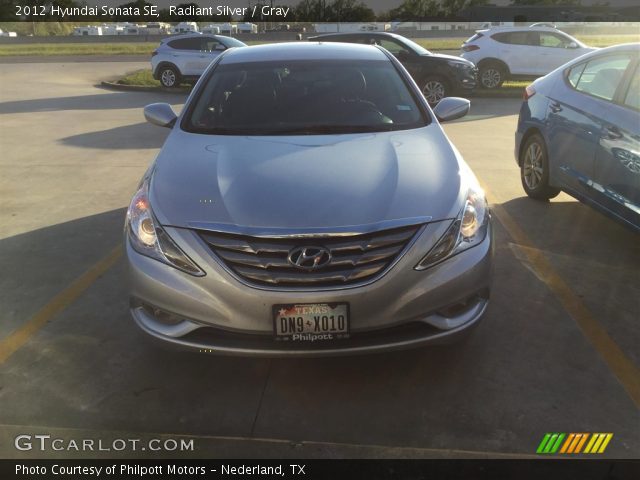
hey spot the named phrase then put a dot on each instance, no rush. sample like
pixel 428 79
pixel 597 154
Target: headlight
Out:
pixel 148 238
pixel 466 231
pixel 461 65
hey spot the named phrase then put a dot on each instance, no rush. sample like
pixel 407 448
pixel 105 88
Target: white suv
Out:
pixel 519 52
pixel 186 57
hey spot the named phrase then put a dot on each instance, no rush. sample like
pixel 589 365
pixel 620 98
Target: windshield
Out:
pixel 304 97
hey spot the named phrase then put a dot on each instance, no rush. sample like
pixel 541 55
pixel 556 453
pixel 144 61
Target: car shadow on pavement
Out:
pixel 569 227
pixel 596 256
pixel 44 261
pixel 137 136
pixel 104 101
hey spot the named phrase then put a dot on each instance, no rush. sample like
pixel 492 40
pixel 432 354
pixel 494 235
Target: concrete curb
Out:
pixel 142 88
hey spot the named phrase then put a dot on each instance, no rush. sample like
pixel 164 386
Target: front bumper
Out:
pixel 467 80
pixel 219 314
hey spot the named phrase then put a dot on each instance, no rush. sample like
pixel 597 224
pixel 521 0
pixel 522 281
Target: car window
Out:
pixel 210 44
pixel 264 98
pixel 574 74
pixel 515 38
pixel 186 43
pixel 548 39
pixel 632 99
pixel 501 37
pixel 413 46
pixel 232 42
pixel 366 40
pixel 394 47
pixel 602 76
pixel 473 38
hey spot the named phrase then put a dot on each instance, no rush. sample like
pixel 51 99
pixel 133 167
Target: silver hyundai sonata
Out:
pixel 307 202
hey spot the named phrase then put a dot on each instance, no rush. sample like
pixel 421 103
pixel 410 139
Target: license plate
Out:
pixel 311 322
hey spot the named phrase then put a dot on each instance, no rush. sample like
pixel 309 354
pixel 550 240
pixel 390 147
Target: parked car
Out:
pixel 7 34
pixel 185 57
pixel 351 225
pixel 579 131
pixel 437 75
pixel 519 52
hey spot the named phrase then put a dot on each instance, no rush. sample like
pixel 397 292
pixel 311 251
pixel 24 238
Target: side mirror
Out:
pixel 160 114
pixel 572 45
pixel 451 108
pixel 219 48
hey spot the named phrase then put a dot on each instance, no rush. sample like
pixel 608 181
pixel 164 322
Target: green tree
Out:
pixel 310 11
pixel 334 11
pixel 350 11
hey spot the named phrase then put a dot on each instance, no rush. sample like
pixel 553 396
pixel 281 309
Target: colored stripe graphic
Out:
pixel 550 443
pixel 567 443
pixel 606 441
pixel 598 442
pixel 543 443
pixel 556 446
pixel 581 442
pixel 573 443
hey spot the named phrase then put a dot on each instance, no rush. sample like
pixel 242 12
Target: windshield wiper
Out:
pixel 300 130
pixel 332 129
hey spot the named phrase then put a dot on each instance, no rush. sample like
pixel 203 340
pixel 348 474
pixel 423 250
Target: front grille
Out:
pixel 354 258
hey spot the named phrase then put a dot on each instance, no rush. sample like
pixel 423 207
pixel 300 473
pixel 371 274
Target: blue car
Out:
pixel 579 132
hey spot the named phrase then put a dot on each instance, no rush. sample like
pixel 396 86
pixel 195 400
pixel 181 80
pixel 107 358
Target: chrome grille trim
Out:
pixel 262 262
pixel 307 232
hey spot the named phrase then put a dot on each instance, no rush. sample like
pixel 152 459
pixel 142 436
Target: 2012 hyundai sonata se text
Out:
pixel 307 202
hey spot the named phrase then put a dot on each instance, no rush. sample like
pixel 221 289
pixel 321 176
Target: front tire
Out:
pixel 492 75
pixel 435 89
pixel 169 76
pixel 534 169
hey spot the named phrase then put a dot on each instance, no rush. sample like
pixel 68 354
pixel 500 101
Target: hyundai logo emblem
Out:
pixel 309 258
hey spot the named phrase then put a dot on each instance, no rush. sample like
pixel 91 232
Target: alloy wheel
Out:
pixel 433 91
pixel 532 166
pixel 168 78
pixel 491 77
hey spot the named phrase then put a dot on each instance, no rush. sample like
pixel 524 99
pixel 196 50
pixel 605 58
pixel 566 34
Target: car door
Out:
pixel 186 55
pixel 617 163
pixel 210 48
pixel 555 49
pixel 515 49
pixel 577 108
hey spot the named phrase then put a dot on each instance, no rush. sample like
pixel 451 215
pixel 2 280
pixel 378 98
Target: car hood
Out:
pixel 314 181
pixel 450 58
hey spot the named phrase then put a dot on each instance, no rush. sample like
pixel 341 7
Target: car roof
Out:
pixel 193 35
pixel 520 29
pixel 319 38
pixel 355 34
pixel 304 51
pixel 183 35
pixel 625 47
